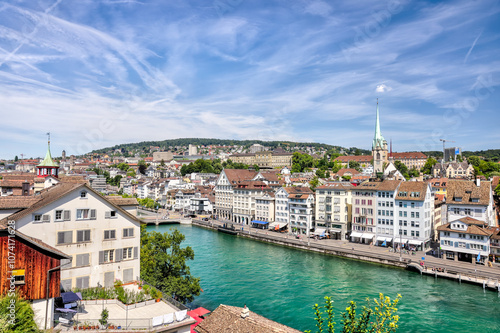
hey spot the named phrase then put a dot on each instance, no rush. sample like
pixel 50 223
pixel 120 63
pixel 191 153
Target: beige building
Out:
pixel 224 190
pixel 162 155
pixel 264 207
pixel 265 159
pixel 244 200
pixel 453 170
pixel 334 208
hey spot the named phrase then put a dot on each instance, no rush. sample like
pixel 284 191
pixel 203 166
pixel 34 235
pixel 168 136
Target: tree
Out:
pixel 380 318
pixel 300 162
pixel 163 264
pixel 402 168
pixel 427 168
pixel 162 162
pixel 123 166
pixel 142 167
pixel 16 158
pixel 320 173
pixel 23 320
pixel 130 173
pixel 497 190
pixel 314 183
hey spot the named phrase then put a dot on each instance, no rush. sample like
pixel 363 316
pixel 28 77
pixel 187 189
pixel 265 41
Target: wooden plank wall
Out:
pixel 35 263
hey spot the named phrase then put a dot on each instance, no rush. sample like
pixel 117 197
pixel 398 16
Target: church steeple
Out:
pixel 378 139
pixel 47 167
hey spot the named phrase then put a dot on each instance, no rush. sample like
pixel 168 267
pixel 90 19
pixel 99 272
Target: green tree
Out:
pixel 379 318
pixel 16 158
pixel 314 183
pixel 23 321
pixel 427 168
pixel 320 173
pixel 142 167
pixel 497 190
pixel 130 173
pixel 163 264
pixel 162 162
pixel 402 168
pixel 301 162
pixel 123 166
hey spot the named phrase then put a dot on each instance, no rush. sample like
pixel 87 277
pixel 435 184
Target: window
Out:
pixel 109 234
pixel 412 205
pixel 83 236
pixel 18 275
pixel 82 282
pixel 456 211
pixel 400 204
pixel 59 215
pixel 413 233
pixel 110 214
pixel 127 253
pixel 37 217
pixel 82 260
pixel 128 275
pixel 83 194
pixel 85 214
pixel 417 233
pixel 64 237
pixel 417 215
pixel 108 256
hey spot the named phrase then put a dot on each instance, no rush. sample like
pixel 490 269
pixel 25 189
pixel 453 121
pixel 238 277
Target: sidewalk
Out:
pixel 383 253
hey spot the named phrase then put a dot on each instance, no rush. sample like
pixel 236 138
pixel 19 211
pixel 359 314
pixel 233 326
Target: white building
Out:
pixel 469 198
pixel 200 205
pixel 281 204
pixel 264 208
pixel 414 213
pixel 224 190
pixel 102 238
pixel 465 239
pixel 385 200
pixel 245 198
pixel 301 209
pixel 334 208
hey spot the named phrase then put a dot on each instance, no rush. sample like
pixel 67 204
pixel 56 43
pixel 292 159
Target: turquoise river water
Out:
pixel 283 284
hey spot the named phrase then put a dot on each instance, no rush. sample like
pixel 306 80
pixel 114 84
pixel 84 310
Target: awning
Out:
pixel 404 241
pixel 66 310
pixel 335 230
pixel 259 222
pixel 388 239
pixel 381 239
pixel 277 224
pixel 414 242
pixel 70 297
pixel 319 231
pixel 356 234
pixel 368 236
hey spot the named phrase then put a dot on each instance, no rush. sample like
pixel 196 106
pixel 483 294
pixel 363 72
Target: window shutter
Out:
pixel 46 218
pixel 93 214
pixel 125 233
pixel 136 252
pixel 79 236
pixel 87 235
pixel 456 244
pixel 67 215
pixel 79 260
pixel 68 237
pixel 113 233
pixel 101 257
pixel 467 246
pixel 118 255
pixel 107 215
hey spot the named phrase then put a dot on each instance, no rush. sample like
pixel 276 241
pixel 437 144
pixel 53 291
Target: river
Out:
pixel 283 284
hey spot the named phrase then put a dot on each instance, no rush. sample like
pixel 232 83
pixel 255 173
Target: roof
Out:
pixel 410 155
pixel 474 227
pixel 54 193
pixel 228 319
pixel 47 161
pixel 336 185
pixel 352 171
pixel 120 201
pixel 298 190
pixel 468 191
pixel 412 191
pixel 237 175
pixel 37 243
pixel 17 202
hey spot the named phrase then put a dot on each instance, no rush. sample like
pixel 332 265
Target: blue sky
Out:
pixel 99 73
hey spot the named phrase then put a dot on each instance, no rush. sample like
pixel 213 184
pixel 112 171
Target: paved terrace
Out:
pixel 466 272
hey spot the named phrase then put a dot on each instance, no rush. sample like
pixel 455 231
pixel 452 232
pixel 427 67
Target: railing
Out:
pixel 170 300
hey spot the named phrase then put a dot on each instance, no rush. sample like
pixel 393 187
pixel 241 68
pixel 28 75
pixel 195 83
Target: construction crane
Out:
pixel 444 147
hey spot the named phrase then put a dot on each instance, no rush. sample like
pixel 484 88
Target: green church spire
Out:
pixel 47 161
pixel 378 139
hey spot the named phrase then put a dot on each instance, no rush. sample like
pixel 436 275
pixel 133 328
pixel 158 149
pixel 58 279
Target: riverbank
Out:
pixel 486 277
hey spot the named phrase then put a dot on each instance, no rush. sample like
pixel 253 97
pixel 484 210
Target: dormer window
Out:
pixel 83 194
pixel 457 199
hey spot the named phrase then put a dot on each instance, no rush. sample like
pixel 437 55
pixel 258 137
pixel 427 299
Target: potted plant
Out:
pixel 140 285
pixel 104 317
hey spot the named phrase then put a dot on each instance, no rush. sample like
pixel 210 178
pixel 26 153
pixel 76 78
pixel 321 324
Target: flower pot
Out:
pixel 157 300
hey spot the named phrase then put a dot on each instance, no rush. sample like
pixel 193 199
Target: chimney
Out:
pixel 245 312
pixel 478 182
pixel 26 188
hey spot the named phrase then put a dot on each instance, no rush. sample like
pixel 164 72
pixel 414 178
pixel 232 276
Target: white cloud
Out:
pixel 382 88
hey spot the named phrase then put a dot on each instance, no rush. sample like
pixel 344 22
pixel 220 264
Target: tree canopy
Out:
pixel 427 168
pixel 163 264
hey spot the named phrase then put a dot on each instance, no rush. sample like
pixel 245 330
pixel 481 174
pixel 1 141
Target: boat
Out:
pixel 228 228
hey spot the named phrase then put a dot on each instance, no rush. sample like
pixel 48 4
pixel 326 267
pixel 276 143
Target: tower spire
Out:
pixel 378 139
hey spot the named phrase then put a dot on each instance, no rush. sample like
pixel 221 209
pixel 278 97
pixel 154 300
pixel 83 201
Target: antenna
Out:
pixel 48 136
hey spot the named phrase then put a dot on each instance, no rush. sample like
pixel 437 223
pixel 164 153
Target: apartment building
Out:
pixel 334 208
pixel 385 199
pixel 265 208
pixel 364 206
pixel 102 238
pixel 245 200
pixel 301 209
pixel 470 198
pixel 224 190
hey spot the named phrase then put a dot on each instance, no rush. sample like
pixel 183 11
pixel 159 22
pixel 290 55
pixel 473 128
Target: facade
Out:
pixel 469 198
pixel 450 154
pixel 412 160
pixel 301 209
pixel 282 209
pixel 102 238
pixel 465 239
pixel 265 159
pixel 224 190
pixel 158 156
pixel 364 206
pixel 414 213
pixel 495 244
pixel 265 207
pixel 334 208
pixel 193 150
pixel 245 200
pixel 200 205
pixel 183 200
pixel 386 198
pixel 453 170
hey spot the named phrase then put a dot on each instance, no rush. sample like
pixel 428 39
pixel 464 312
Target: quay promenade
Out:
pixel 488 277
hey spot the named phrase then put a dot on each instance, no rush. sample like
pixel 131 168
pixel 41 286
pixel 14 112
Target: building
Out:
pixel 301 209
pixel 192 150
pixel 102 238
pixel 265 159
pixel 224 190
pixel 412 160
pixel 235 319
pixel 379 147
pixel 453 170
pixel 465 239
pixel 265 208
pixel 469 198
pixel 158 156
pixel 450 154
pixel 255 148
pixel 47 167
pixel 245 200
pixel 364 205
pixel 34 263
pixel 386 202
pixel 494 244
pixel 414 213
pixel 334 208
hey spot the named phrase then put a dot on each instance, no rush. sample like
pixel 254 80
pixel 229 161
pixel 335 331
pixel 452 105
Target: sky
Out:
pixel 95 73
